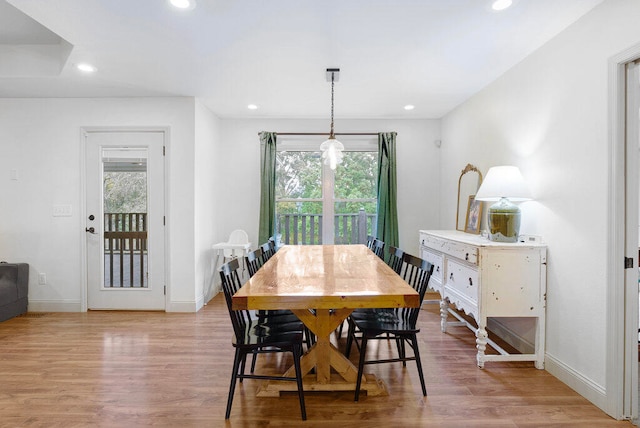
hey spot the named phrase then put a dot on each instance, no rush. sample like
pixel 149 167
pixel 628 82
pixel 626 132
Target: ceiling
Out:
pixel 433 54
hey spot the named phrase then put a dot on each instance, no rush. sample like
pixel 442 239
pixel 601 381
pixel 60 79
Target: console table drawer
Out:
pixel 463 279
pixel 460 250
pixel 436 261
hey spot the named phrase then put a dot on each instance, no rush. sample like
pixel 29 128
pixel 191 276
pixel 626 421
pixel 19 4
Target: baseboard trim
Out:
pixel 76 306
pixel 185 306
pixel 597 394
pixel 54 306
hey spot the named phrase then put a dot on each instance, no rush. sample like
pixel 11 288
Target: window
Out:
pixel 315 204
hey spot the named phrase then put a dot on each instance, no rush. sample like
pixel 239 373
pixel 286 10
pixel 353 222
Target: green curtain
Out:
pixel 267 226
pixel 387 226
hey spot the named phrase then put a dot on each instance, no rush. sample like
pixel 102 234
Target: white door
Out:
pixel 125 220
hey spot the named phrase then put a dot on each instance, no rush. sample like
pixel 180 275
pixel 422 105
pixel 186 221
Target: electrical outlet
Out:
pixel 42 279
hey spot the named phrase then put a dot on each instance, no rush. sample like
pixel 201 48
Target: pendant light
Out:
pixel 332 148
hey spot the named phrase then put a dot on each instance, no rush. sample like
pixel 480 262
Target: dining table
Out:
pixel 322 285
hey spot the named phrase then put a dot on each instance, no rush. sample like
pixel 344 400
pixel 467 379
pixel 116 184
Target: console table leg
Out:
pixel 481 343
pixel 540 338
pixel 444 313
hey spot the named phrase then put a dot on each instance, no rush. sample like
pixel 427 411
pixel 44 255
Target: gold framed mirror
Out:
pixel 468 184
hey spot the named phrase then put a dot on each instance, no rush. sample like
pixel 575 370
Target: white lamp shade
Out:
pixel 332 152
pixel 503 182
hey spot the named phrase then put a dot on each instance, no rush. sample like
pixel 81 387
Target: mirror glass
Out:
pixel 468 184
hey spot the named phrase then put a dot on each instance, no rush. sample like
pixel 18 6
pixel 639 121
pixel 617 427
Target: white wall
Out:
pixel 40 138
pixel 207 206
pixel 548 115
pixel 418 170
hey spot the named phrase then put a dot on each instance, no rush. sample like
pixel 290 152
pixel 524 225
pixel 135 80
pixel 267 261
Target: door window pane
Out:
pixel 125 223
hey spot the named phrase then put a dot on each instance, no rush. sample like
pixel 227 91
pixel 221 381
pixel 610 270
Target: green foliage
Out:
pixel 356 177
pixel 125 192
pixel 299 176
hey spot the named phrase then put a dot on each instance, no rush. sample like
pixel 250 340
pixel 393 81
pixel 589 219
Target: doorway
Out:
pixel 124 219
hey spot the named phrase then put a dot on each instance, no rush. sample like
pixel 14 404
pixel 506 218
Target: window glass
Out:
pixel 345 213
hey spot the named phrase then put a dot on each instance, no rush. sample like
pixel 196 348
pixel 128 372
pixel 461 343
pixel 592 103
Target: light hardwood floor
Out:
pixel 130 369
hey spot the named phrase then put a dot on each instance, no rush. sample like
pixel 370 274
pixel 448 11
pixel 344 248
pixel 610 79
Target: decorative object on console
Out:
pixel 505 185
pixel 468 184
pixel 332 148
pixel 474 215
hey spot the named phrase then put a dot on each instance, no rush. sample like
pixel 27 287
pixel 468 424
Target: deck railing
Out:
pixel 125 249
pixel 306 229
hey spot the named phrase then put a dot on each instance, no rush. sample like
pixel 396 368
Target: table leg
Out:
pixel 324 356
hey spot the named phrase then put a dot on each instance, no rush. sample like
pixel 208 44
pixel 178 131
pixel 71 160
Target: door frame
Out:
pixel 83 204
pixel 621 325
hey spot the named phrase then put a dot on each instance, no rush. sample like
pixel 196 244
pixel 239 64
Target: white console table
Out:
pixel 488 279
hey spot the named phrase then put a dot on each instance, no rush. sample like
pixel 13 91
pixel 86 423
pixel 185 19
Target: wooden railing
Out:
pixel 306 229
pixel 125 249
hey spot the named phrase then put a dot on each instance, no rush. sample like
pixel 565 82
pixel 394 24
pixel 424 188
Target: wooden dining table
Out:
pixel 322 285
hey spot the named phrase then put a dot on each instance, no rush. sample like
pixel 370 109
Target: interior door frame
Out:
pixel 83 204
pixel 621 325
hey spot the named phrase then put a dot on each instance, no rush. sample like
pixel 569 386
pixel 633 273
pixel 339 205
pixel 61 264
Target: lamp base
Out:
pixel 504 221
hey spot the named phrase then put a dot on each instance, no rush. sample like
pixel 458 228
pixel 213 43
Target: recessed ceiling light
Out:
pixel 183 4
pixel 252 107
pixel 86 68
pixel 409 107
pixel 501 4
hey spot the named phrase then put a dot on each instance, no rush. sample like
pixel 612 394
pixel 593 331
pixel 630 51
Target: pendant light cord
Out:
pixel 331 135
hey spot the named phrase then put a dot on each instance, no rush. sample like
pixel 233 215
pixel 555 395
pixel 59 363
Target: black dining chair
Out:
pixel 378 248
pixel 254 261
pixel 251 337
pixel 280 318
pixel 370 240
pixel 268 250
pixel 394 259
pixel 399 324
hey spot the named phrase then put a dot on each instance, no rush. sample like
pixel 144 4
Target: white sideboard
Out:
pixel 488 279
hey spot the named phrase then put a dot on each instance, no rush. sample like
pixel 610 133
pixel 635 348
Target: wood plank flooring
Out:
pixel 134 369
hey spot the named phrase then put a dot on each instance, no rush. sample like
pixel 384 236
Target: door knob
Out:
pixel 90 230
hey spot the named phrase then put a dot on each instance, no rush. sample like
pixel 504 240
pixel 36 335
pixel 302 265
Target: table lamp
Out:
pixel 505 185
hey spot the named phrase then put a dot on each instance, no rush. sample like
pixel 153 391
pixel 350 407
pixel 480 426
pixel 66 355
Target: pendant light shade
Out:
pixel 332 148
pixel 332 152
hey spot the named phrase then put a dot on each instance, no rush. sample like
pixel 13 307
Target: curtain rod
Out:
pixel 325 133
